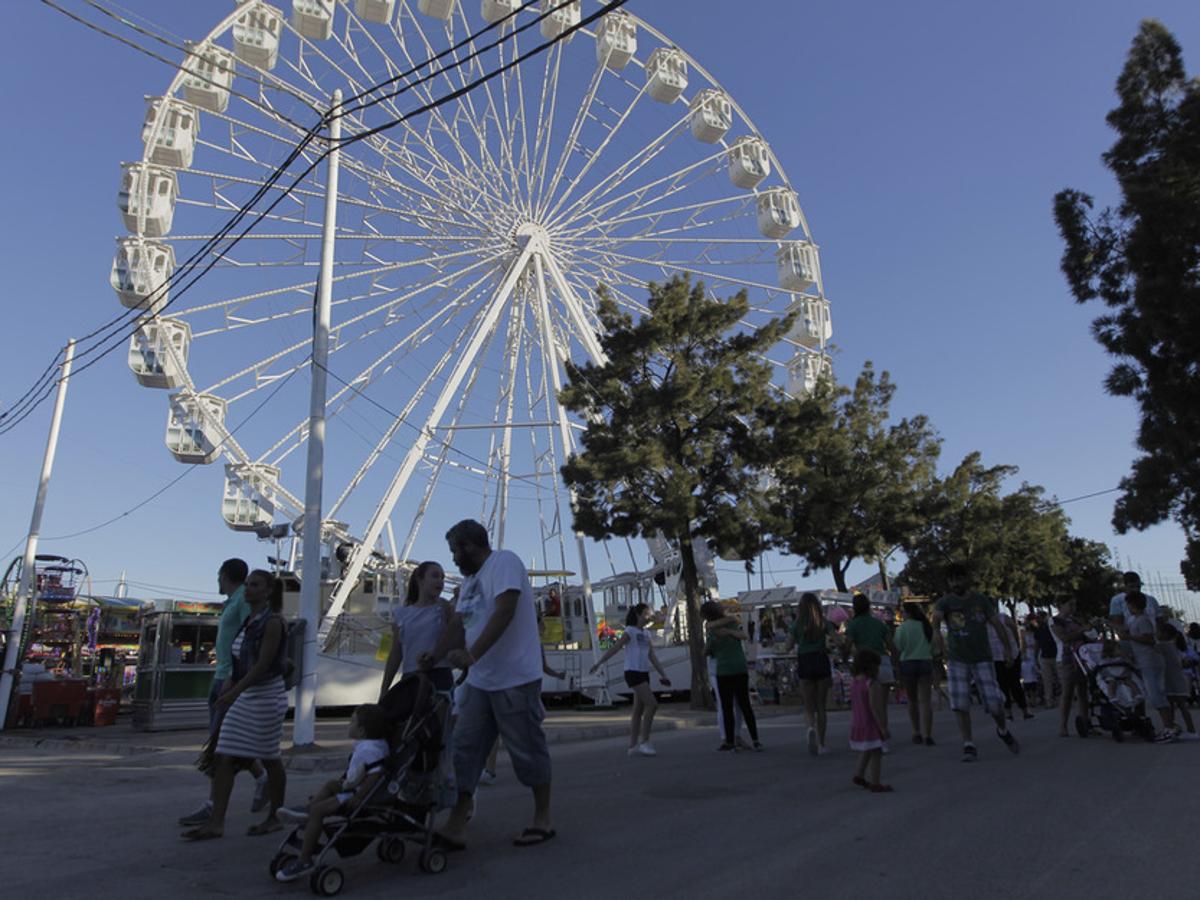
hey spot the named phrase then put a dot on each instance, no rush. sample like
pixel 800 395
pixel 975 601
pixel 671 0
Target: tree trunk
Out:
pixel 701 691
pixel 839 575
pixel 883 575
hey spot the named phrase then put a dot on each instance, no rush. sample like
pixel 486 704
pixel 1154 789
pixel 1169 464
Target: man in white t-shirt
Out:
pixel 1118 612
pixel 502 696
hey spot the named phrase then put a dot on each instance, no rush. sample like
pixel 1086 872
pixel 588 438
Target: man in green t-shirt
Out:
pixel 966 615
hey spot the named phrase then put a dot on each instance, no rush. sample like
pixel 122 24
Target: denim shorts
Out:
pixel 515 715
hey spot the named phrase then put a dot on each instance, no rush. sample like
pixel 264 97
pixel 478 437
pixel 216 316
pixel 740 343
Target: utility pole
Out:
pixel 304 730
pixel 14 651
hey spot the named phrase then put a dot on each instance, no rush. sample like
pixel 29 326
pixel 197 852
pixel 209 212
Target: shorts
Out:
pixel 912 669
pixel 514 714
pixel 959 678
pixel 1069 674
pixel 886 673
pixel 633 678
pixel 813 666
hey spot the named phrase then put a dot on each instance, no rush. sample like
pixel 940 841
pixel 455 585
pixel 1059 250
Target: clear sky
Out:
pixel 926 140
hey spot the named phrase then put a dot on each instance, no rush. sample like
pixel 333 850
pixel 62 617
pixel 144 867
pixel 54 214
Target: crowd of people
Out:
pixel 489 631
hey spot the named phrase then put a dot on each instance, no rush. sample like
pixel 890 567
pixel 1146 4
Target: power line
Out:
pixel 187 267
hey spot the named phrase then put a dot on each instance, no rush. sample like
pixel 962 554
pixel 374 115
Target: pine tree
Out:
pixel 1142 260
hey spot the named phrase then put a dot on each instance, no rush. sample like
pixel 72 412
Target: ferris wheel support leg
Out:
pixel 304 732
pixel 417 451
pixel 552 361
pixel 24 600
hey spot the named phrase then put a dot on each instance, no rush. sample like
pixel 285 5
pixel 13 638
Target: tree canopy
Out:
pixel 847 484
pixel 1142 261
pixel 677 416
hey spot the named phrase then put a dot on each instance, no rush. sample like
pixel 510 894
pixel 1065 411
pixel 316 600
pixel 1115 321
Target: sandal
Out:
pixel 531 836
pixel 265 827
pixel 203 833
pixel 860 781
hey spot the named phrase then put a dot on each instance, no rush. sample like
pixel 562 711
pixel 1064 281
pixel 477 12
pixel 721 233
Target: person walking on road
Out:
pixel 1047 659
pixel 1143 635
pixel 417 627
pixel 231 582
pixel 639 657
pixel 966 615
pixel 914 641
pixel 810 637
pixel 501 653
pixel 255 703
pixel 865 632
pixel 1069 631
pixel 868 730
pixel 733 678
pixel 1171 643
pixel 1008 668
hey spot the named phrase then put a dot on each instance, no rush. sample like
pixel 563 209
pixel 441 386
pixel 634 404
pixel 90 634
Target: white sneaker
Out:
pixel 886 748
pixel 635 750
pixel 1187 736
pixel 486 777
pixel 646 749
pixel 823 751
pixel 292 815
pixel 812 741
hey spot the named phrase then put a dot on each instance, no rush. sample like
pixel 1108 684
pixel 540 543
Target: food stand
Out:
pixel 176 661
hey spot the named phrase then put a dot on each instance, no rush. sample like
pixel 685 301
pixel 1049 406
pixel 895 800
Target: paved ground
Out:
pixel 1067 818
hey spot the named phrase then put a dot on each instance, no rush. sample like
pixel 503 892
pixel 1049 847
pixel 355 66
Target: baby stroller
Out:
pixel 1116 698
pixel 400 805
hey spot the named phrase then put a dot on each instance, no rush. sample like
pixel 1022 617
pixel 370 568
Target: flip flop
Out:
pixel 264 828
pixel 449 845
pixel 533 836
pixel 201 834
pixel 860 781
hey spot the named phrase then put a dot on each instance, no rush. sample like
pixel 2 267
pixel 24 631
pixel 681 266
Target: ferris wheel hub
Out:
pixel 529 231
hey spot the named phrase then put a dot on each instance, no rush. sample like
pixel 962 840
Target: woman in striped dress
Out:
pixel 254 707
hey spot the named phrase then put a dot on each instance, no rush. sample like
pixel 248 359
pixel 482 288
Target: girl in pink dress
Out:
pixel 867 729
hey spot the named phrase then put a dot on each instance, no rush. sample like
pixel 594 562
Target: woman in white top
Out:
pixel 416 627
pixel 639 657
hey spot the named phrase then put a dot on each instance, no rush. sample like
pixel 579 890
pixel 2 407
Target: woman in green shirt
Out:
pixel 733 678
pixel 913 640
pixel 809 635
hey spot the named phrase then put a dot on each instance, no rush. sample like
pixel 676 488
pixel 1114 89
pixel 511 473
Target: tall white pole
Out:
pixel 12 650
pixel 304 732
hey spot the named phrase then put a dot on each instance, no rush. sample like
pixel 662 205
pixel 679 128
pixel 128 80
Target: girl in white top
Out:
pixel 416 627
pixel 639 657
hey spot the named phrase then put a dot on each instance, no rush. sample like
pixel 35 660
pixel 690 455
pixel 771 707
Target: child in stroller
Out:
pixel 1116 700
pixel 396 800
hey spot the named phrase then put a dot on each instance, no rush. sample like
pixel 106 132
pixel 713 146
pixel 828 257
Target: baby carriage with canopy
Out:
pixel 1116 698
pixel 400 801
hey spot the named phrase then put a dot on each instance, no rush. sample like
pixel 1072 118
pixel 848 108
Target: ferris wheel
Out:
pixel 469 242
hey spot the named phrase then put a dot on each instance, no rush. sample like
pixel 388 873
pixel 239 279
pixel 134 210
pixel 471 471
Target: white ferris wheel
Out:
pixel 467 246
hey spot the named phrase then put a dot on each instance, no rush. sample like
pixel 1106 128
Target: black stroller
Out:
pixel 401 804
pixel 1116 700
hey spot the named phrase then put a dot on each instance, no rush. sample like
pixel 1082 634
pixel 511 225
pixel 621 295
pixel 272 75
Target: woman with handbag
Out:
pixel 253 707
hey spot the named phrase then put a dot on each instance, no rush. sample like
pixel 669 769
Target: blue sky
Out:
pixel 926 141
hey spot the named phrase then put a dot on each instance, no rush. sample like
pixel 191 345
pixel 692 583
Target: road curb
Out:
pixel 81 745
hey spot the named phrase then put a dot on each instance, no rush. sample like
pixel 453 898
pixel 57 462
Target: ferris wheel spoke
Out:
pixel 544 132
pixel 656 216
pixel 594 156
pixel 232 310
pixel 644 196
pixel 671 268
pixel 620 175
pixel 572 142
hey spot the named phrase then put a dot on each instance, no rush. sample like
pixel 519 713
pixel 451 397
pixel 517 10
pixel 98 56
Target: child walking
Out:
pixel 368 727
pixel 868 733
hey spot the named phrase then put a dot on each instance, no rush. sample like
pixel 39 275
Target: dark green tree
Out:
pixel 1090 577
pixel 1014 545
pixel 676 431
pixel 1142 261
pixel 848 484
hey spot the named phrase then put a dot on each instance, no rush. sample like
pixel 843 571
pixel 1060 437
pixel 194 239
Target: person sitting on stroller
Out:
pixel 369 727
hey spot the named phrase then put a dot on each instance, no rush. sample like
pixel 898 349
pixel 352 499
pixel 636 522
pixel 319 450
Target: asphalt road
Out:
pixel 1067 818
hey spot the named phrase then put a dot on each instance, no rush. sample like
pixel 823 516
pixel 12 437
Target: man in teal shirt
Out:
pixel 969 657
pixel 231 582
